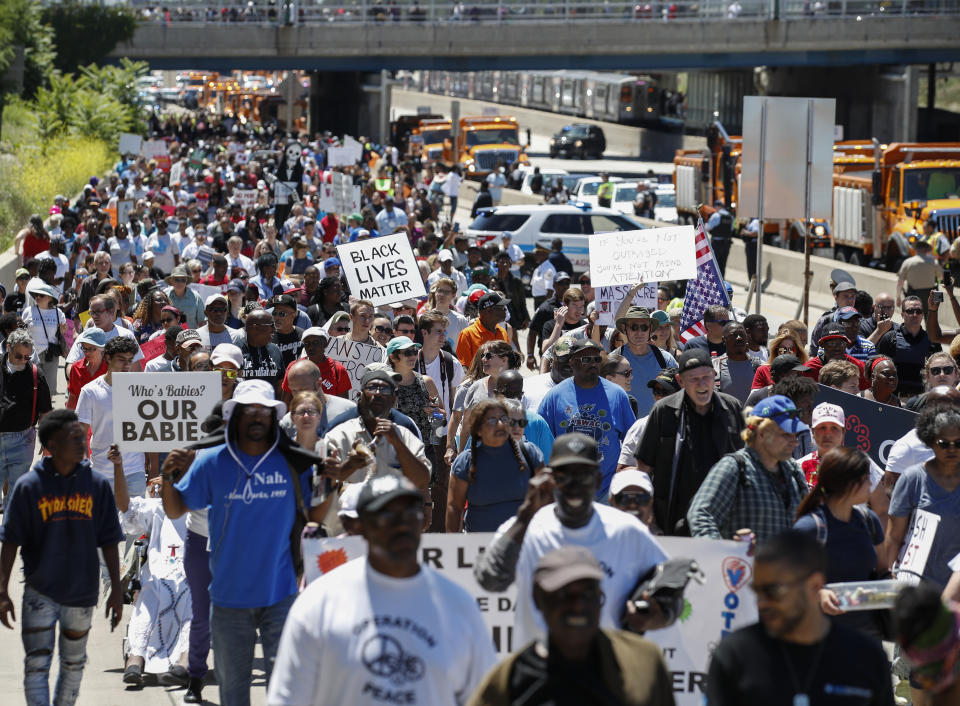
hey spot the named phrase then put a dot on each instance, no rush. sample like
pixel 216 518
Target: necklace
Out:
pixel 801 694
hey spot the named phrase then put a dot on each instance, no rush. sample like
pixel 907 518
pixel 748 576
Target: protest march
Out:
pixel 305 437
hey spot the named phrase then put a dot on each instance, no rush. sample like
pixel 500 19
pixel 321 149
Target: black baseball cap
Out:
pixel 697 358
pixel 491 299
pixel 382 375
pixel 783 364
pixel 580 345
pixel 574 448
pixel 376 493
pixel 667 379
pixel 832 330
pixel 284 300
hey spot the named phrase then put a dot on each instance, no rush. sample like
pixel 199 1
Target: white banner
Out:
pixel 916 547
pixel 355 357
pixel 609 300
pixel 130 144
pixel 161 411
pixel 720 605
pixel 340 157
pixel 649 255
pixel 382 270
pixel 246 197
pixel 154 148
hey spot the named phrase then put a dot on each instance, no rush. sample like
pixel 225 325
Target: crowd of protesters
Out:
pixel 612 436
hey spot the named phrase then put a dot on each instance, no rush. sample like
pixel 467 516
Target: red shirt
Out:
pixel 33 246
pixel 80 376
pixel 333 378
pixel 330 227
pixel 211 280
pixel 816 364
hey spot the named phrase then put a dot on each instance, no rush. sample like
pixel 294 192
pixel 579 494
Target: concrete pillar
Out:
pixel 872 101
pixel 345 102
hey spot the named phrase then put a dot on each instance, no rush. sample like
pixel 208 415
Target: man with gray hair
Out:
pixel 25 399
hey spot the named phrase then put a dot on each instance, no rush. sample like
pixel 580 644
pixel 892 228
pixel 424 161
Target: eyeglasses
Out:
pixel 219 310
pixel 408 353
pixel 306 413
pixel 590 359
pixel 947 444
pixel 341 329
pixel 948 370
pixel 628 373
pixel 392 518
pixel 279 314
pixel 639 327
pixel 775 591
pixel 97 312
pixel 522 423
pixel 912 312
pixel 641 498
pixel 228 373
pixel 384 329
pixel 494 421
pixel 384 390
pixel 488 355
pixel 563 478
pixel 87 348
pixel 17 356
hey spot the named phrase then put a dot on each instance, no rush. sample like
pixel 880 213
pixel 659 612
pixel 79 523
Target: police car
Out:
pixel 530 225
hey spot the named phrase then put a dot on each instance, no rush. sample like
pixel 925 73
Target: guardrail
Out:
pixel 499 11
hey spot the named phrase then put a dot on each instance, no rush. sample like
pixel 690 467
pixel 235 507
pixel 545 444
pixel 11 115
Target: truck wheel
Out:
pixel 840 254
pixel 856 258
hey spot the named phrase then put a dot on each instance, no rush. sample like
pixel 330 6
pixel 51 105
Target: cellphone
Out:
pixel 937 297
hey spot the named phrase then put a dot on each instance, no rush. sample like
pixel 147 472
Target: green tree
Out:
pixel 87 32
pixel 22 20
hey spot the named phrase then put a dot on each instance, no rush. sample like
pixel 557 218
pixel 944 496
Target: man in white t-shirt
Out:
pixel 382 629
pixel 445 260
pixel 103 315
pixel 621 543
pixel 95 414
pixel 541 281
pixel 166 251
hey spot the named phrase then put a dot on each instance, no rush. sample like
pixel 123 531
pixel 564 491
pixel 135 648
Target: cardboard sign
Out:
pixel 130 144
pixel 609 300
pixel 382 270
pixel 153 348
pixel 162 411
pixel 196 160
pixel 176 173
pixel 721 604
pixel 355 357
pixel 649 255
pixel 152 149
pixel 247 198
pixel 912 559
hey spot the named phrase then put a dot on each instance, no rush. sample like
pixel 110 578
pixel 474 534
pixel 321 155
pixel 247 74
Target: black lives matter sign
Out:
pixel 382 270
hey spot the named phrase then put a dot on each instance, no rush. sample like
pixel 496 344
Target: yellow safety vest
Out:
pixel 384 185
pixel 605 190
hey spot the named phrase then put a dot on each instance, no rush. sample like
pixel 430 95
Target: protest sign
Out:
pixel 246 197
pixel 152 348
pixel 649 255
pixel 340 157
pixel 609 300
pixel 162 411
pixel 353 147
pixel 130 144
pixel 123 210
pixel 912 559
pixel 382 270
pixel 205 290
pixel 205 255
pixel 151 149
pixel 871 427
pixel 355 357
pixel 721 604
pixel 196 160
pixel 176 173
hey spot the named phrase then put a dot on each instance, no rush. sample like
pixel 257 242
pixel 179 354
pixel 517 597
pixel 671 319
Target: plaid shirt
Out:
pixel 727 502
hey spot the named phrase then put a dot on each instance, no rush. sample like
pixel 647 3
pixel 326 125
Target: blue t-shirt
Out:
pixel 915 489
pixel 250 519
pixel 58 522
pixel 538 433
pixel 498 488
pixel 601 412
pixel 645 369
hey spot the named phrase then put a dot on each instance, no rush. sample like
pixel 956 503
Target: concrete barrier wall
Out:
pixel 622 140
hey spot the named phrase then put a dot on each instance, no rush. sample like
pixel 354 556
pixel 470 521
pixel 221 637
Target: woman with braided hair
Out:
pixel 491 473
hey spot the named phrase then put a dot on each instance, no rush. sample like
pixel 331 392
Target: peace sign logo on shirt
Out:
pixel 384 657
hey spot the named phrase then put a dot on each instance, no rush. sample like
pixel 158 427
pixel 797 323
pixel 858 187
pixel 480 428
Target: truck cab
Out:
pixel 432 135
pixel 482 142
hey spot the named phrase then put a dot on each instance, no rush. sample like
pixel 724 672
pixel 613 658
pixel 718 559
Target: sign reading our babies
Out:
pixel 382 270
pixel 162 411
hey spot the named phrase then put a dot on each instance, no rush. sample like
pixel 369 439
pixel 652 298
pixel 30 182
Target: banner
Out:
pixel 609 300
pixel 151 149
pixel 162 411
pixel 355 357
pixel 916 547
pixel 130 144
pixel 871 427
pixel 340 157
pixel 721 604
pixel 382 270
pixel 247 198
pixel 648 255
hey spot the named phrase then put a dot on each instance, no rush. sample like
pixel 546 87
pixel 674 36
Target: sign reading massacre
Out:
pixel 355 357
pixel 382 270
pixel 162 411
pixel 721 604
pixel 648 255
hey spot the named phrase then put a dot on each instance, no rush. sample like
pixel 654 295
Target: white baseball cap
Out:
pixel 445 256
pixel 827 412
pixel 254 392
pixel 626 478
pixel 227 353
pixel 348 501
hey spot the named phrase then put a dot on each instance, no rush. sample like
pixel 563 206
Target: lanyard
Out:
pixel 801 695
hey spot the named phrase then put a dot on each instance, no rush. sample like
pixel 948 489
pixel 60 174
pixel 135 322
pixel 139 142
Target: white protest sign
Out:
pixel 721 604
pixel 123 210
pixel 247 198
pixel 325 198
pixel 609 300
pixel 355 148
pixel 916 547
pixel 205 290
pixel 176 172
pixel 162 411
pixel 340 157
pixel 649 255
pixel 154 148
pixel 355 357
pixel 382 270
pixel 130 144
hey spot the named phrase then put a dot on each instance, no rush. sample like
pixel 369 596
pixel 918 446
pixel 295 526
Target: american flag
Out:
pixel 706 290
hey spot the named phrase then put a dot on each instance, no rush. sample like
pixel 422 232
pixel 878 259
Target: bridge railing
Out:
pixel 501 11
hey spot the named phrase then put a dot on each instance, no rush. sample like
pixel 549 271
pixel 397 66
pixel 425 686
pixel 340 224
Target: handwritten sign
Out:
pixel 340 157
pixel 176 173
pixel 162 411
pixel 123 210
pixel 130 144
pixel 916 547
pixel 382 270
pixel 649 255
pixel 355 357
pixel 153 348
pixel 609 300
pixel 151 149
pixel 722 604
pixel 247 198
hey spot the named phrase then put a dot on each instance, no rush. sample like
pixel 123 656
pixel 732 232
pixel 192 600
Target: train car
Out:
pixel 717 96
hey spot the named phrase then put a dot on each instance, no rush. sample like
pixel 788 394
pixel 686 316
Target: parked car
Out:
pixel 579 140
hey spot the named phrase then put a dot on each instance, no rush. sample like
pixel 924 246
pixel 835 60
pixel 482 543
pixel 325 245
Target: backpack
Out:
pixel 657 354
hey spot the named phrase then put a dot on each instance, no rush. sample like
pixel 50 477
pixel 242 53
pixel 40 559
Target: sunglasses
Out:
pixel 775 591
pixel 384 329
pixel 948 370
pixel 947 444
pixel 219 310
pixel 632 498
pixel 228 373
pixel 628 373
pixel 409 352
pixel 563 478
pixel 639 327
pixel 522 423
pixel 306 413
pixel 488 355
pixel 913 312
pixel 724 322
pixel 495 421
pixel 341 329
pixel 17 356
pixel 392 518
pixel 277 314
pixel 590 359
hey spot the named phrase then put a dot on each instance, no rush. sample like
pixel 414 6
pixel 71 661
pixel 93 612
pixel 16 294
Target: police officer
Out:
pixel 720 228
pixel 605 191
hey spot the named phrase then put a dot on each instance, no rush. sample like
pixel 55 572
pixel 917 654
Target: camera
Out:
pixel 936 297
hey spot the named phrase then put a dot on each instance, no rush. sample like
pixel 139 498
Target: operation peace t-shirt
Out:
pixel 356 636
pixel 250 518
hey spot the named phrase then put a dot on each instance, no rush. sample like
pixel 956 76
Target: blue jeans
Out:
pixel 39 616
pixel 234 633
pixel 16 455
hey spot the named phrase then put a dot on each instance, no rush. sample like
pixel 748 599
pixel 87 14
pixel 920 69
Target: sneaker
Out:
pixel 193 691
pixel 133 675
pixel 175 676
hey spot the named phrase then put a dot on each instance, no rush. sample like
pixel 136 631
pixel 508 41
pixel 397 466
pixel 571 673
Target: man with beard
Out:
pixel 620 542
pixel 577 662
pixel 383 628
pixel 246 482
pixel 795 655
